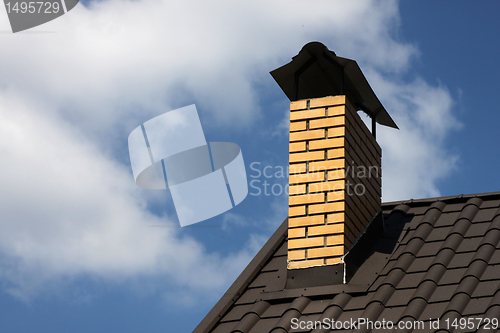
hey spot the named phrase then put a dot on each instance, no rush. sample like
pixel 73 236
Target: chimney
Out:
pixel 335 164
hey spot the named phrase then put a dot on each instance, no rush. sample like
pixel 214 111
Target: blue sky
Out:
pixel 82 248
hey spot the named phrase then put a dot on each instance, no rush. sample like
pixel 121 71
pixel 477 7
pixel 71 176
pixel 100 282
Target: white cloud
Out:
pixel 415 158
pixel 69 208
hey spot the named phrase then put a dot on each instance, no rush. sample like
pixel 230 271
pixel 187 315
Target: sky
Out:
pixel 82 248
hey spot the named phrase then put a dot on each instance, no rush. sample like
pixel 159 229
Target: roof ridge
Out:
pixel 462 197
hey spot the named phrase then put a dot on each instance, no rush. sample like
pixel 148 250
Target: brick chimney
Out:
pixel 335 163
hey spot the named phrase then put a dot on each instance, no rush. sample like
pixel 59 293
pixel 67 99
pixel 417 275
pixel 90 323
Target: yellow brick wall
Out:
pixel 331 198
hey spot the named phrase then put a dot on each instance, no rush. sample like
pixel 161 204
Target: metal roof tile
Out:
pixel 418 210
pixel 447 220
pixel 263 325
pixel 477 306
pixel 346 315
pixel 357 303
pixel 492 272
pixel 452 276
pixel 485 215
pixel 300 303
pixel 495 258
pixel 246 323
pixel 486 288
pixel 429 249
pixel 478 229
pixel 237 312
pixel 443 293
pixel 262 280
pixel 285 321
pixel 388 267
pixel 275 310
pixel 490 203
pixel 435 272
pixel 411 280
pixel 467 285
pixel 458 303
pixel 393 313
pixel 249 296
pixel 461 260
pixel 433 310
pixel 224 327
pixel 275 264
pixel 456 207
pixel 317 306
pixel 400 297
pixel 420 265
pixel 439 234
pixel 492 237
pixel 469 244
pixel 425 290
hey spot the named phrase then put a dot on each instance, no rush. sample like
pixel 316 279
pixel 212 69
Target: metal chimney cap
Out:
pixel 318 72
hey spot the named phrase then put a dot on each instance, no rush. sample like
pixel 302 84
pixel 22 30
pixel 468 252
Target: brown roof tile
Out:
pixel 437 258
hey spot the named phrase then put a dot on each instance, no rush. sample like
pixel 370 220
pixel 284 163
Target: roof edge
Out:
pixel 386 205
pixel 243 280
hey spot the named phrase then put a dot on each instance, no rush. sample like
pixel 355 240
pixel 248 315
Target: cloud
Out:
pixel 68 209
pixel 69 99
pixel 416 157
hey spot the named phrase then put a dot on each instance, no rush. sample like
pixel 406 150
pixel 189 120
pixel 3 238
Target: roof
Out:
pixel 436 258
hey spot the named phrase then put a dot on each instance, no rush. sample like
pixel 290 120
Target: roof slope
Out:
pixel 437 258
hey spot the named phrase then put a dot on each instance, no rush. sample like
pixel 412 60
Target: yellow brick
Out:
pixel 336 240
pixel 327 229
pixel 336 153
pixel 296 211
pixel 306 243
pixel 327 207
pixel 296 232
pixel 307 114
pixel 336 132
pixel 308 156
pixel 306 221
pixel 335 218
pixel 297 126
pixel 297 168
pixel 307 135
pixel 297 255
pixel 306 178
pixel 327 101
pixel 327 122
pixel 327 165
pixel 335 185
pixel 298 105
pixel 326 143
pixel 305 263
pixel 297 146
pixel 306 199
pixel 324 252
pixel 336 174
pixel 297 189
pixel 333 261
pixel 335 196
pixel 338 110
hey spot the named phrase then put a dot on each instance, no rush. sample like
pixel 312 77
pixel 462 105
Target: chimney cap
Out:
pixel 318 72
